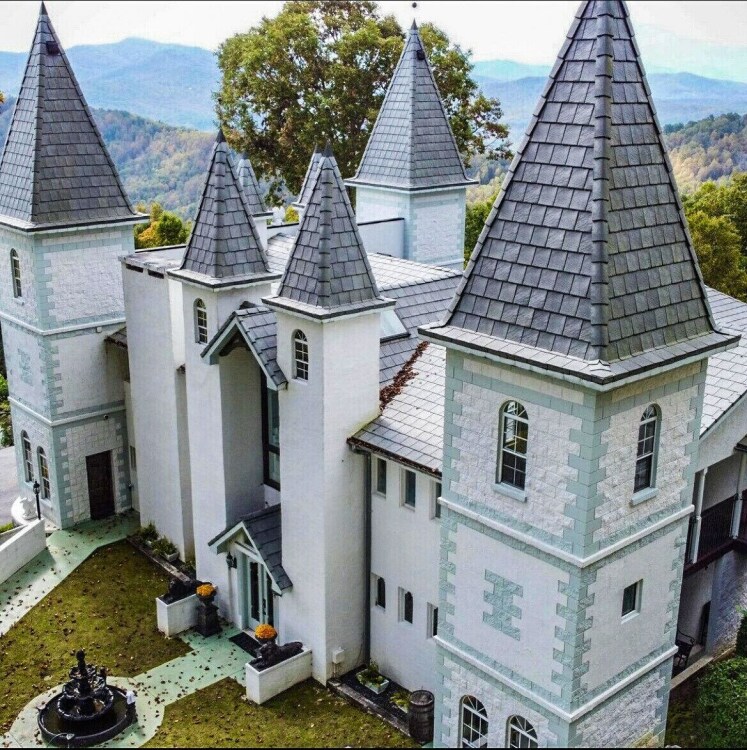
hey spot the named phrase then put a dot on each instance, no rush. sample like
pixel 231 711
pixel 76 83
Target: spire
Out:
pixel 250 186
pixel 411 144
pixel 328 267
pixel 586 253
pixel 305 193
pixel 55 169
pixel 224 242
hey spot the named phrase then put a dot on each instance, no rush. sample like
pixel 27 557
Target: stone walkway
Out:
pixel 66 550
pixel 211 659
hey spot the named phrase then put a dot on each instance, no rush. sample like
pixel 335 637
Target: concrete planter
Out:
pixel 20 546
pixel 374 687
pixel 178 616
pixel 261 686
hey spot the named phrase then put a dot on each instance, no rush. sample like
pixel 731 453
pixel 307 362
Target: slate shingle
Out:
pixel 308 181
pixel 605 229
pixel 250 186
pixel 55 169
pixel 224 241
pixel 411 144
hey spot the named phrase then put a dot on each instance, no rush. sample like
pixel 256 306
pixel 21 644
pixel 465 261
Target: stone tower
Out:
pixel 328 328
pixel 411 167
pixel 577 347
pixel 64 222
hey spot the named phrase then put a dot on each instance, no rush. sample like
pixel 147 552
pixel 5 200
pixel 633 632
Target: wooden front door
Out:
pixel 100 487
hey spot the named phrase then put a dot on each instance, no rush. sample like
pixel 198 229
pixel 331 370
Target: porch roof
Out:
pixel 264 530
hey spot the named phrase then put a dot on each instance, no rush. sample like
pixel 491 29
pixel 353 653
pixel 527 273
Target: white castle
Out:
pixel 518 487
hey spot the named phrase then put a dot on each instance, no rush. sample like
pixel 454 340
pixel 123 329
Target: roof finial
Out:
pixel 43 9
pixel 414 26
pixel 220 137
pixel 328 149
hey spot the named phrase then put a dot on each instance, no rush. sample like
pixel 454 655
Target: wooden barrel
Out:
pixel 420 716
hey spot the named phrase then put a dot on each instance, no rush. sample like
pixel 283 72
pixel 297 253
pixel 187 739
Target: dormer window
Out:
pixel 201 326
pixel 645 463
pixel 300 356
pixel 15 270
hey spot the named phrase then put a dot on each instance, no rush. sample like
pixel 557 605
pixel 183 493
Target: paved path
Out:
pixel 66 550
pixel 211 659
pixel 8 483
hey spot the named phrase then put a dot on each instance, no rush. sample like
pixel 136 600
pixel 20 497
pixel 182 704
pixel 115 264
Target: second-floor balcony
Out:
pixel 720 531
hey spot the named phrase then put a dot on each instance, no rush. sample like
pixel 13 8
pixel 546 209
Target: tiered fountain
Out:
pixel 86 712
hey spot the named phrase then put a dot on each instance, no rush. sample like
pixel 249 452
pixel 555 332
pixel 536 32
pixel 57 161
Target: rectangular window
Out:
pixel 408 489
pixel 435 505
pixel 44 475
pixel 28 466
pixel 380 600
pixel 133 458
pixel 432 621
pixel 406 606
pixel 271 435
pixel 381 476
pixel 632 599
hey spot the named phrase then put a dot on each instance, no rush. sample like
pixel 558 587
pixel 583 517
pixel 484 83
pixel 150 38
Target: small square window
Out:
pixel 406 606
pixel 435 505
pixel 632 599
pixel 380 592
pixel 381 476
pixel 410 481
pixel 432 621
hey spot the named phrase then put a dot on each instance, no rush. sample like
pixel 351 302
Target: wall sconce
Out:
pixel 231 561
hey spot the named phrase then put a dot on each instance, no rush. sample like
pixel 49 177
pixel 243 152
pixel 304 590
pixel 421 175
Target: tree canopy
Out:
pixel 163 229
pixel 319 70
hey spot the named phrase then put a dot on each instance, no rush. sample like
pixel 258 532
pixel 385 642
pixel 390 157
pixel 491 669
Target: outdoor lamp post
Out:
pixel 37 487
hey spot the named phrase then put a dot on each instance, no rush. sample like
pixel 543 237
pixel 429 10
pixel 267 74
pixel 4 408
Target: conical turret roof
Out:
pixel 586 254
pixel 328 267
pixel 224 244
pixel 411 144
pixel 250 186
pixel 305 193
pixel 55 169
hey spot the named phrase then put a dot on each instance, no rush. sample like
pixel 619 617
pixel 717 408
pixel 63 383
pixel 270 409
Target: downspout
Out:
pixel 367 489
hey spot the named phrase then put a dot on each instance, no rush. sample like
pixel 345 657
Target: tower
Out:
pixel 305 193
pixel 411 167
pixel 64 222
pixel 253 195
pixel 224 266
pixel 328 328
pixel 577 347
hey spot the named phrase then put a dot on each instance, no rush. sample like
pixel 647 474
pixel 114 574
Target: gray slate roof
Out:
pixel 250 186
pixel 55 169
pixel 308 181
pixel 328 266
pixel 264 529
pixel 224 243
pixel 586 254
pixel 410 429
pixel 411 144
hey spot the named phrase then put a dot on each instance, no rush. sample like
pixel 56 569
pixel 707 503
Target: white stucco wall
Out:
pixel 697 591
pixel 406 652
pixel 722 480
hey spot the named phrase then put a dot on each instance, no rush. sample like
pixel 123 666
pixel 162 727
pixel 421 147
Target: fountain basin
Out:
pixel 63 732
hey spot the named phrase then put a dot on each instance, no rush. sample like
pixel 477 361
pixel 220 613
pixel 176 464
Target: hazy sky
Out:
pixel 680 35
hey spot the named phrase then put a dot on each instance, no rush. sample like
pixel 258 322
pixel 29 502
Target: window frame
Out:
pixel 301 359
pixel 520 732
pixel 519 418
pixel 380 592
pixel 436 493
pixel 15 274
pixel 46 487
pixel 405 496
pixel 28 457
pixel 647 448
pixel 471 707
pixel 637 596
pixel 379 475
pixel 269 448
pixel 200 321
pixel 404 607
pixel 432 621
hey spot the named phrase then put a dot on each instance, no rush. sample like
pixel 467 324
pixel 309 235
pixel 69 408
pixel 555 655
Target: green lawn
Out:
pixel 307 715
pixel 681 719
pixel 106 606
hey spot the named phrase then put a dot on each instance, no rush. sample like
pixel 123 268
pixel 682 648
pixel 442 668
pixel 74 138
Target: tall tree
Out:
pixel 319 70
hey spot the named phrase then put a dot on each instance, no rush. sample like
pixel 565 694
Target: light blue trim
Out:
pixel 514 493
pixel 504 610
pixel 641 497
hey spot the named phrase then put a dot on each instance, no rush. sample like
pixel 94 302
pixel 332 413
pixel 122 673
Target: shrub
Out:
pixel 148 533
pixel 6 527
pixel 741 649
pixel 721 705
pixel 164 547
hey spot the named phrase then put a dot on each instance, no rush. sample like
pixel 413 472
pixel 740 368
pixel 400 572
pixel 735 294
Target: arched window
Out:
pixel 521 733
pixel 645 462
pixel 201 327
pixel 43 473
pixel 512 451
pixel 15 270
pixel 300 356
pixel 474 723
pixel 28 466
